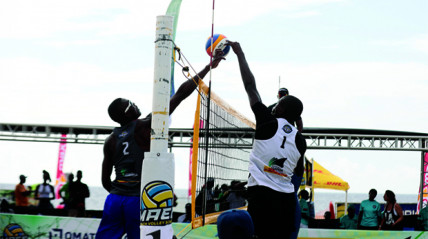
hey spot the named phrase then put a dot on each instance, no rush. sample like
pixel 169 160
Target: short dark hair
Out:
pixel 304 194
pixel 293 107
pixel 282 92
pixel 114 111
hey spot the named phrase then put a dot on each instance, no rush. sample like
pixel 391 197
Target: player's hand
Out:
pixel 218 56
pixel 236 47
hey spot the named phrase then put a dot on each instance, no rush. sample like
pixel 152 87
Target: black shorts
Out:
pixel 272 212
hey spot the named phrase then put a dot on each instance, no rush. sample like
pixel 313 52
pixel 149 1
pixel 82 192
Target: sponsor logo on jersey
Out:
pixel 123 134
pixel 287 129
pixel 157 200
pixel 275 167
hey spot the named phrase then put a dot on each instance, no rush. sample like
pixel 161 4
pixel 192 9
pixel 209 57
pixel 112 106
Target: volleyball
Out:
pixel 13 230
pixel 218 42
pixel 157 194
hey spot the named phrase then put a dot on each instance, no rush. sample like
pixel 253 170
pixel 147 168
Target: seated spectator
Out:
pixel 206 194
pixel 304 208
pixel 5 207
pixel 349 221
pixel 235 224
pixel 423 219
pixel 237 194
pixel 187 216
pixel 328 222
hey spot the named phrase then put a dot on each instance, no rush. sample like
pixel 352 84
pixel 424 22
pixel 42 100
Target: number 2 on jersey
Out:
pixel 126 144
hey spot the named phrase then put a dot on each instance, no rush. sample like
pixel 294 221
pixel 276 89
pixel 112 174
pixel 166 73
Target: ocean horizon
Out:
pixel 322 198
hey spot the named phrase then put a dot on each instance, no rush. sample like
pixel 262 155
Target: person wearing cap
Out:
pixel 235 224
pixel 281 93
pixel 21 193
pixel 277 153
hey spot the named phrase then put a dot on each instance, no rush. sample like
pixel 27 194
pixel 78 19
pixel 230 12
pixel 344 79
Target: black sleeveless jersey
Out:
pixel 127 161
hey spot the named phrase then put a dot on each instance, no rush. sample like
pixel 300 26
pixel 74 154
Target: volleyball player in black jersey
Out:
pixel 124 152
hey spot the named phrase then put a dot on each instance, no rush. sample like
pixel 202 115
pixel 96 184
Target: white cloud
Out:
pixel 62 44
pixel 29 19
pixel 418 43
pixel 302 14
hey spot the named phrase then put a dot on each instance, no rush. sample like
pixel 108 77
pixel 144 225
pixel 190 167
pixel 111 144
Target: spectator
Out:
pixel 423 219
pixel 21 193
pixel 209 198
pixel 235 224
pixel 349 221
pixel 369 216
pixel 78 193
pixel 296 180
pixel 64 192
pixel 5 207
pixel 392 214
pixel 281 93
pixel 304 208
pixel 45 192
pixel 236 196
pixel 223 189
pixel 187 216
pixel 328 222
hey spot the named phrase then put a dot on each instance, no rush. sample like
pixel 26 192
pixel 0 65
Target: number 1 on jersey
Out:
pixel 283 142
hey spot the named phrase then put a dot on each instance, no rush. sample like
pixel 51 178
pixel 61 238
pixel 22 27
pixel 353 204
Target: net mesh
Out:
pixel 220 157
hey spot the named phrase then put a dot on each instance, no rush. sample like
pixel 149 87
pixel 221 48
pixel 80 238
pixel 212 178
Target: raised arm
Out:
pixel 247 77
pixel 189 86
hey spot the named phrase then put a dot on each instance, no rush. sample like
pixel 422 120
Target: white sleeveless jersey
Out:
pixel 272 161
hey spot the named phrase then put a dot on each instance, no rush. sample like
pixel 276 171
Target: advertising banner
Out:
pixel 60 177
pixel 424 187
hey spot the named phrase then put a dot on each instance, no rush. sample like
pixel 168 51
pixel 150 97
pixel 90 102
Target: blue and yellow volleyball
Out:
pixel 218 42
pixel 13 230
pixel 157 194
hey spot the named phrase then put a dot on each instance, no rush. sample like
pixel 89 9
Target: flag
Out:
pixel 423 192
pixel 60 177
pixel 173 10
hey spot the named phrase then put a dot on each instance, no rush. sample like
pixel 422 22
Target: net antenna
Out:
pixel 207 125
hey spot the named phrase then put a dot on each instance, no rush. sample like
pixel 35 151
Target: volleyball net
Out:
pixel 220 156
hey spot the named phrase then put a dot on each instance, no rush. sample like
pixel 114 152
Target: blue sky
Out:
pixel 353 63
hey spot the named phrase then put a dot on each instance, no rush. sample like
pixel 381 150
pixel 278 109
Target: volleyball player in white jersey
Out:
pixel 277 153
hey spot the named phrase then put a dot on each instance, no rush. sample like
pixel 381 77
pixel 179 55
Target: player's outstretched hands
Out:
pixel 218 56
pixel 236 47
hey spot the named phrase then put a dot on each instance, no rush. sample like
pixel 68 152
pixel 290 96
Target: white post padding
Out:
pixel 158 175
pixel 157 178
pixel 162 84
